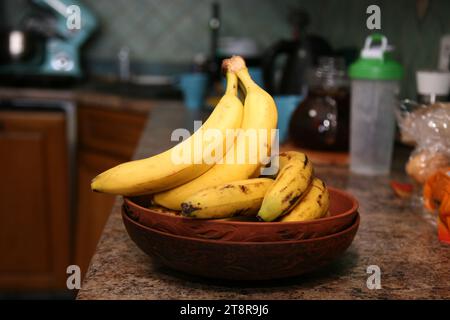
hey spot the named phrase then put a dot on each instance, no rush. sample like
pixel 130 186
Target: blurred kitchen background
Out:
pixel 64 120
pixel 165 35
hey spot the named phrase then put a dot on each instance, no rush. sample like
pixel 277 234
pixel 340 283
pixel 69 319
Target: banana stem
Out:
pixel 245 78
pixel 236 65
pixel 232 83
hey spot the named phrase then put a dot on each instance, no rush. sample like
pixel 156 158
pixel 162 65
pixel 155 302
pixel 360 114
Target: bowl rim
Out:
pixel 352 210
pixel 354 225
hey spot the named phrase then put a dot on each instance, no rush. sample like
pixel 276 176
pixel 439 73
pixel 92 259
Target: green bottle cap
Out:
pixel 375 62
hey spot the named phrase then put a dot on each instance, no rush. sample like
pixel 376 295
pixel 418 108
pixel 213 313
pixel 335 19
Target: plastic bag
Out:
pixel 428 128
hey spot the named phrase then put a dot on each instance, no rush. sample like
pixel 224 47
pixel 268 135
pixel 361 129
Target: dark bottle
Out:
pixel 321 121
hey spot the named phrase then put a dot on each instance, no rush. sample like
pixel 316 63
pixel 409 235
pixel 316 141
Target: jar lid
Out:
pixel 375 62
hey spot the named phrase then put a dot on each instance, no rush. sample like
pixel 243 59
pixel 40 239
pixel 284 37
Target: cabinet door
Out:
pixel 110 131
pixel 34 200
pixel 93 208
pixel 106 139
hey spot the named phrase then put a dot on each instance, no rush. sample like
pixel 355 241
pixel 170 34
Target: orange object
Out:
pixel 402 190
pixel 437 189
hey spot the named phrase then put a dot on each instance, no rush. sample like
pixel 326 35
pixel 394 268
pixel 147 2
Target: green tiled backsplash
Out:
pixel 173 31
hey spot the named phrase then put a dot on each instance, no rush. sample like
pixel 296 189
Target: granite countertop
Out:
pixel 394 234
pixel 126 97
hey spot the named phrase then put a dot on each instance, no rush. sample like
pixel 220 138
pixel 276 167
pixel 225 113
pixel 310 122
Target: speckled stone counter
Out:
pixel 110 101
pixel 395 235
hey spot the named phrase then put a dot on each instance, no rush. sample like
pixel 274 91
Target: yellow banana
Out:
pixel 162 172
pixel 294 177
pixel 260 112
pixel 314 205
pixel 239 198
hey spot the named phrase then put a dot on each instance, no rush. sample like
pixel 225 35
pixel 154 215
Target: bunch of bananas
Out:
pixel 224 189
pixel 295 195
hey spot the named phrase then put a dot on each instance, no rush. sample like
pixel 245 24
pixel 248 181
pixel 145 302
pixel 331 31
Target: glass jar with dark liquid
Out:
pixel 321 121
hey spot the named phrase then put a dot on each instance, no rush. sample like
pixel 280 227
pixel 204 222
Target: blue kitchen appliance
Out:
pixel 63 27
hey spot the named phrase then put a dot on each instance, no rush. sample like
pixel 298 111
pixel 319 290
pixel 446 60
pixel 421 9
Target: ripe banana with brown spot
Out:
pixel 162 172
pixel 314 205
pixel 238 198
pixel 260 113
pixel 293 179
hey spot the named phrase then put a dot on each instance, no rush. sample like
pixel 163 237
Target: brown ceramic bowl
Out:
pixel 240 260
pixel 343 209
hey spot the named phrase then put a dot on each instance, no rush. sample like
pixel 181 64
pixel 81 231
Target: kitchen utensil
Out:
pixel 193 86
pixel 300 54
pixel 214 26
pixel 124 62
pixel 374 87
pixel 343 210
pixel 61 44
pixel 321 121
pixel 240 260
pixel 285 106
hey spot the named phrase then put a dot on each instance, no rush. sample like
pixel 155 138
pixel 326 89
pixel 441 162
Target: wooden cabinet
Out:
pixel 93 208
pixel 106 139
pixel 34 200
pixel 110 132
pixel 39 237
